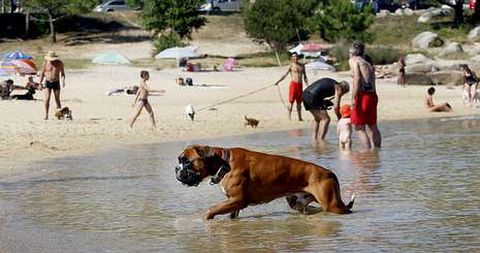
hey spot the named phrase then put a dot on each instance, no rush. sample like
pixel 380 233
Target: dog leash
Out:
pixel 234 98
pixel 281 98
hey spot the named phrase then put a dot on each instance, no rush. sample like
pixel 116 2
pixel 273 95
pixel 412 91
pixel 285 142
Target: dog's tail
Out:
pixel 352 200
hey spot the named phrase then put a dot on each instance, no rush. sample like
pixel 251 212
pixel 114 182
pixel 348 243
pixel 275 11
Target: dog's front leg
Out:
pixel 228 206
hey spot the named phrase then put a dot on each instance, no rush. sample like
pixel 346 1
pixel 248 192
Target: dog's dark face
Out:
pixel 191 168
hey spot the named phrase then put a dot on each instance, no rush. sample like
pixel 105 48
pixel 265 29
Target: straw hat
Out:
pixel 345 111
pixel 51 56
pixel 345 86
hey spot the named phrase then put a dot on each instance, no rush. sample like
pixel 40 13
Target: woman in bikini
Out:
pixel 141 99
pixel 470 83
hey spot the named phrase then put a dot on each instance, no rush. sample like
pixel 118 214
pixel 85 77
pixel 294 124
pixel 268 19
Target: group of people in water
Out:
pixel 325 93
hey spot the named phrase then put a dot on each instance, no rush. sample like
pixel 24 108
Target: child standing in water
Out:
pixel 344 128
pixel 141 98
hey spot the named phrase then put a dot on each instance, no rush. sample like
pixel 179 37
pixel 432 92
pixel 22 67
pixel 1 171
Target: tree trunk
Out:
pixel 52 28
pixel 27 23
pixel 458 8
pixel 476 15
pixel 12 6
pixel 3 6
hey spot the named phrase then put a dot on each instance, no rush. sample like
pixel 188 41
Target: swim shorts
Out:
pixel 295 92
pixel 365 110
pixel 54 85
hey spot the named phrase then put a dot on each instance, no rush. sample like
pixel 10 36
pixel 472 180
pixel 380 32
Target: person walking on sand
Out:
pixel 297 72
pixel 53 72
pixel 445 107
pixel 401 71
pixel 470 81
pixel 364 97
pixel 141 99
pixel 344 128
pixel 317 99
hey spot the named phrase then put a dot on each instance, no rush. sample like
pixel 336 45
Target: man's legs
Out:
pixel 47 101
pixel 320 123
pixel 299 110
pixel 56 93
pixel 376 136
pixel 362 136
pixel 290 107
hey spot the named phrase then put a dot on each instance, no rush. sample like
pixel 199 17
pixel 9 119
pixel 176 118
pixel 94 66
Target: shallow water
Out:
pixel 418 193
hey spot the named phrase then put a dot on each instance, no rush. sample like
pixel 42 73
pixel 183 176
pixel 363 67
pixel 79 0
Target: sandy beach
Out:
pixel 101 122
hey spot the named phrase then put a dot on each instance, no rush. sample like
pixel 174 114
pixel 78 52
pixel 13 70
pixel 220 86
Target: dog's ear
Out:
pixel 204 151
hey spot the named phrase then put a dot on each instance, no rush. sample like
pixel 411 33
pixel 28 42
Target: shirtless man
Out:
pixel 364 97
pixel 297 72
pixel 52 70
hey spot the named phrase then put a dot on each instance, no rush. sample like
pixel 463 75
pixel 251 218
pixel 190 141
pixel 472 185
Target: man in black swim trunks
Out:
pixel 317 99
pixel 52 70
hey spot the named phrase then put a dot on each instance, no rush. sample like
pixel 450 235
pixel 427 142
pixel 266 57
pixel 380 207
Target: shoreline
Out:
pixel 100 122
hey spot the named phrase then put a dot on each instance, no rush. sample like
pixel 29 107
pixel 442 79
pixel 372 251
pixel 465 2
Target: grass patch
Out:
pixel 396 30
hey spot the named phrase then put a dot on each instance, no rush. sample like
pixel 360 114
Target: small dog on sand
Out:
pixel 189 111
pixel 64 113
pixel 251 122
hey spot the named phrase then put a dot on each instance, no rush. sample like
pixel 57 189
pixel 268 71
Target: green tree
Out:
pixel 278 22
pixel 342 20
pixel 57 9
pixel 172 16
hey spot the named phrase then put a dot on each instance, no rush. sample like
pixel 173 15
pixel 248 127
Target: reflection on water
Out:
pixel 419 193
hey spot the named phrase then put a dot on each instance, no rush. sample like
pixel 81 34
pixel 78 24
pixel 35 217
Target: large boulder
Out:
pixel 474 34
pixel 447 77
pixel 416 58
pixel 426 40
pixel 435 14
pixel 452 49
pixel 418 79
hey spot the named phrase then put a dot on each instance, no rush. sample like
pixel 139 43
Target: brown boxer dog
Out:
pixel 249 178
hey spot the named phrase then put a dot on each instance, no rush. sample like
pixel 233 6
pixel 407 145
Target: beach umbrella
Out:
pixel 8 67
pixel 319 65
pixel 297 49
pixel 111 59
pixel 177 53
pixel 25 67
pixel 4 72
pixel 313 47
pixel 16 55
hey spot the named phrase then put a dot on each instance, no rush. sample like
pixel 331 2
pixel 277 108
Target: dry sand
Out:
pixel 101 122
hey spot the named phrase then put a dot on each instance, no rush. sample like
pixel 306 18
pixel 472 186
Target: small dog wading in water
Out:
pixel 251 122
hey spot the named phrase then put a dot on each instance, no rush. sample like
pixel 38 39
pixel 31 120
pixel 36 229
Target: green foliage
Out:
pixel 383 55
pixel 175 16
pixel 166 41
pixel 379 55
pixel 342 20
pixel 61 7
pixel 278 22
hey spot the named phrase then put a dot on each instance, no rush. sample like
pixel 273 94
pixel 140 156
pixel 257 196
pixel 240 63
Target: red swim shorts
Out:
pixel 295 92
pixel 365 110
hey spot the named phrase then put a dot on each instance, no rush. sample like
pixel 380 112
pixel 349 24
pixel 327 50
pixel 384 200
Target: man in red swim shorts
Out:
pixel 297 72
pixel 364 97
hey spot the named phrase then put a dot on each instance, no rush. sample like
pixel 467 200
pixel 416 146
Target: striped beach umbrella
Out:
pixel 16 55
pixel 8 67
pixel 25 67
